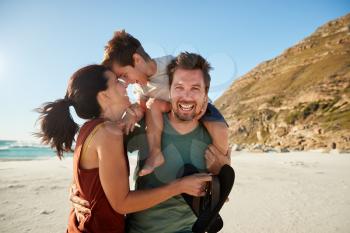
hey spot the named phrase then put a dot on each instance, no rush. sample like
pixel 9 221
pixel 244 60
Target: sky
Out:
pixel 43 42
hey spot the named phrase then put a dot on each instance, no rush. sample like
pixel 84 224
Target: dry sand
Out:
pixel 292 192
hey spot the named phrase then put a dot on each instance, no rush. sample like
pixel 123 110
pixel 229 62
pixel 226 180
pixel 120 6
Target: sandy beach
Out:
pixel 290 192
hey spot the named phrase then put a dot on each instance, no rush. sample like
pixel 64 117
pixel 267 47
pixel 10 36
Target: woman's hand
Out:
pixel 194 185
pixel 80 206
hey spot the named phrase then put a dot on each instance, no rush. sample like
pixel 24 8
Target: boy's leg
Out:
pixel 219 133
pixel 154 123
pixel 217 127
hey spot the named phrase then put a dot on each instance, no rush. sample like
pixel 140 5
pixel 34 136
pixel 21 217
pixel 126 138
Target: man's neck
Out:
pixel 182 127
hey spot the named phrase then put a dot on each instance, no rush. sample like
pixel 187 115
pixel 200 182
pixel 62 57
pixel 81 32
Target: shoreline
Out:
pixel 286 192
pixel 233 153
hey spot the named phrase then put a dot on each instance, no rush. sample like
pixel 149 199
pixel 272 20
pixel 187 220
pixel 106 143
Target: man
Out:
pixel 184 141
pixel 125 56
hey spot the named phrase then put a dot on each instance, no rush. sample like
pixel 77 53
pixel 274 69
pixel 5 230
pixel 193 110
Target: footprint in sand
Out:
pixel 47 212
pixel 39 188
pixel 2 216
pixel 16 186
pixel 298 164
pixel 56 187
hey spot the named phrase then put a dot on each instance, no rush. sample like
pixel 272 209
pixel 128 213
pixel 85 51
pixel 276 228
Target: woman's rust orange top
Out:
pixel 103 218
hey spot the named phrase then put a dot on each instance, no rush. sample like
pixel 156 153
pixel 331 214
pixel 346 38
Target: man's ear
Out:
pixel 206 98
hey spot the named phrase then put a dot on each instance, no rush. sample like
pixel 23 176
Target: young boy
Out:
pixel 125 56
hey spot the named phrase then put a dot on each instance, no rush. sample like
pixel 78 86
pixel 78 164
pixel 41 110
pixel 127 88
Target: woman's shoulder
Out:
pixel 109 130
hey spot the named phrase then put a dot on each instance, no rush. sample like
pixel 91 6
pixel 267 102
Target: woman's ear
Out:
pixel 102 98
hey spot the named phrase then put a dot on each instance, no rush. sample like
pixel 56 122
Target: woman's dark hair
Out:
pixel 57 125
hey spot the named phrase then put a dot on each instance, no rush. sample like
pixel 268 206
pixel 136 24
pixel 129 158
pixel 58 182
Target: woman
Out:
pixel 100 166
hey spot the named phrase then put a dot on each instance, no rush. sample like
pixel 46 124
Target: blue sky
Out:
pixel 43 42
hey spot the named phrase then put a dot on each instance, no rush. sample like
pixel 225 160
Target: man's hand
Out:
pixel 81 206
pixel 215 159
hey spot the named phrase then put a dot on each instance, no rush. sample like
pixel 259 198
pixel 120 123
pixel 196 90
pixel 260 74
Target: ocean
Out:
pixel 25 150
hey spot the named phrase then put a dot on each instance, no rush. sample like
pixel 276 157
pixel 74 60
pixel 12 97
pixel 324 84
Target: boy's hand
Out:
pixel 133 115
pixel 129 119
pixel 137 109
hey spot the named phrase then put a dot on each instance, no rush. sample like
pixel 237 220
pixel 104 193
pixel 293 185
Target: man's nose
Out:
pixel 187 95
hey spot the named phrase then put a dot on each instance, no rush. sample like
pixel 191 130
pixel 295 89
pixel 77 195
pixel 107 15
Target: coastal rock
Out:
pixel 281 131
pixel 299 100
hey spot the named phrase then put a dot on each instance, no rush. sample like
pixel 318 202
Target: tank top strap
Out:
pixel 84 133
pixel 89 138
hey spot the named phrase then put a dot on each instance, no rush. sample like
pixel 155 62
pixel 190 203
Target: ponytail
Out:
pixel 57 125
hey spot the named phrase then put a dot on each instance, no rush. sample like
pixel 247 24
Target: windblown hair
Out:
pixel 190 61
pixel 57 127
pixel 121 48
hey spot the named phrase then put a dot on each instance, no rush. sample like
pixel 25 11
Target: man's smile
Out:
pixel 186 107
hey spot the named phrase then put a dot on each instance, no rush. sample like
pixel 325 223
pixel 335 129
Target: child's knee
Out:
pixel 158 105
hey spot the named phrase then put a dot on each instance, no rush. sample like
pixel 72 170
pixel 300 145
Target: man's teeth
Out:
pixel 186 107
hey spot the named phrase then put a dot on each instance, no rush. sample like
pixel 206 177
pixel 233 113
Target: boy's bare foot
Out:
pixel 153 161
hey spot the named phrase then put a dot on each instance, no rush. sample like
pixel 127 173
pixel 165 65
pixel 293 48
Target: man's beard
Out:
pixel 184 117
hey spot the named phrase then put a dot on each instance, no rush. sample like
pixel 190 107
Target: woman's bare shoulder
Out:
pixel 109 130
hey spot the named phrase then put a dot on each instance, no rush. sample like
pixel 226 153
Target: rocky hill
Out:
pixel 299 100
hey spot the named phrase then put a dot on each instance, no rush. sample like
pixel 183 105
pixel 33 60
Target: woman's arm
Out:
pixel 114 177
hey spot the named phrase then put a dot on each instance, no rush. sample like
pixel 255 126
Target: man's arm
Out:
pixel 215 159
pixel 80 206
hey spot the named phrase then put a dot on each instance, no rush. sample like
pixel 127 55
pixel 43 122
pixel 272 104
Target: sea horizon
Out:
pixel 22 149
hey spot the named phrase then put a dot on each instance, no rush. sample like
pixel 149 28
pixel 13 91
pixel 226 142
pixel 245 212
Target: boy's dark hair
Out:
pixel 190 61
pixel 121 48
